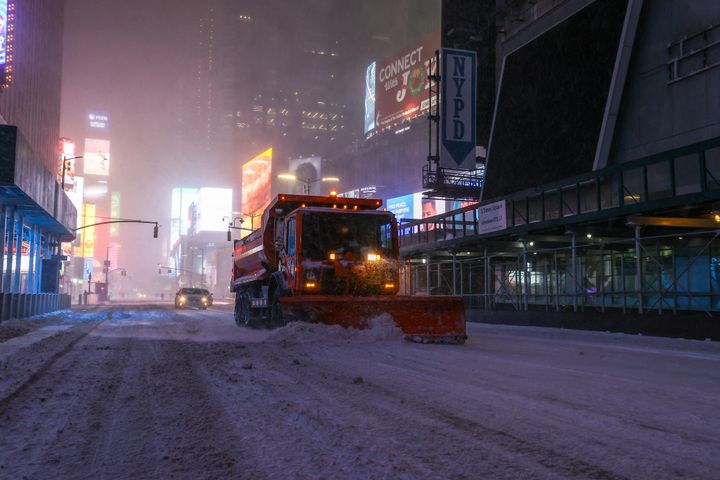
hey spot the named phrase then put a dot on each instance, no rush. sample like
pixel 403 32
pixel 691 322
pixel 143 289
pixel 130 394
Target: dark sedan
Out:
pixel 193 297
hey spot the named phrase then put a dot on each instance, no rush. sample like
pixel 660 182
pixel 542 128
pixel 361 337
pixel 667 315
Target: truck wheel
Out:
pixel 276 314
pixel 242 310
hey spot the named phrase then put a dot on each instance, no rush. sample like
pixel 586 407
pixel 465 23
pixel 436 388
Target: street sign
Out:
pixel 458 111
pixel 491 217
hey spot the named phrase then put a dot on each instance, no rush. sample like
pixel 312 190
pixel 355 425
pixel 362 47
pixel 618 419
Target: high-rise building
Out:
pixel 260 78
pixel 35 214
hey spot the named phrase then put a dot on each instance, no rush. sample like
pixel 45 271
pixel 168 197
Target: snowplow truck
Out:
pixel 333 260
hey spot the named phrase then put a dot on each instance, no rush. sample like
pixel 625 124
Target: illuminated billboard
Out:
pixel 362 192
pixel 115 213
pixel 305 170
pixel 414 206
pixel 67 154
pixel 183 213
pixel 370 98
pixel 75 194
pixel 97 157
pixel 7 34
pixel 257 184
pixel 98 121
pixel 401 83
pixel 95 189
pixel 89 232
pixel 3 31
pixel 213 205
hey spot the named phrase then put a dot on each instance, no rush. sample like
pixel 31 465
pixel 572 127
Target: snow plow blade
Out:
pixel 433 319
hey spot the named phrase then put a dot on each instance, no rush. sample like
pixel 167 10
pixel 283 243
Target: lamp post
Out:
pixel 231 225
pixel 307 182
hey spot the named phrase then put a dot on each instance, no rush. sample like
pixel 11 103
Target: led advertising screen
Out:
pixel 257 184
pixel 75 194
pixel 67 154
pixel 362 192
pixel 97 157
pixel 184 212
pixel 305 170
pixel 370 98
pixel 401 84
pixel 115 213
pixel 3 31
pixel 98 121
pixel 213 205
pixel 414 206
pixel 89 232
pixel 540 108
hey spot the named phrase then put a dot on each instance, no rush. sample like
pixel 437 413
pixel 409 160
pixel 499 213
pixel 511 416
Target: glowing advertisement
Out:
pixel 98 121
pixel 183 213
pixel 414 206
pixel 459 94
pixel 401 84
pixel 75 194
pixel 67 154
pixel 213 205
pixel 304 169
pixel 257 184
pixel 3 31
pixel 362 192
pixel 89 232
pixel 97 157
pixel 115 213
pixel 370 98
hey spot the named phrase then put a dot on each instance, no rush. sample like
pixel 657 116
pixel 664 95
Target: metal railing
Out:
pixel 660 273
pixel 676 178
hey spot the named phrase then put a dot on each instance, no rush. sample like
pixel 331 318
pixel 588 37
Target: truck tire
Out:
pixel 275 314
pixel 242 310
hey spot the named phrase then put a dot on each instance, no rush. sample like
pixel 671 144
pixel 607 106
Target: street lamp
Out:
pixel 307 182
pixel 231 225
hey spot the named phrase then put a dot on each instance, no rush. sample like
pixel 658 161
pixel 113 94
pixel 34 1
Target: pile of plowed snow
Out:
pixel 382 328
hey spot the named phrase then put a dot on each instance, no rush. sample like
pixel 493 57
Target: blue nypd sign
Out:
pixel 458 116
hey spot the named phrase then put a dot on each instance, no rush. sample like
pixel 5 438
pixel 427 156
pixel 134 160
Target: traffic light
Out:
pixel 155 230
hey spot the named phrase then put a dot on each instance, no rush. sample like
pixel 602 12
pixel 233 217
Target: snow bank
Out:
pixel 382 328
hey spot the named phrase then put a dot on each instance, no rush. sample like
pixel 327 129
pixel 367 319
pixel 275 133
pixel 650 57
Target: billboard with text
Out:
pixel 401 83
pixel 414 206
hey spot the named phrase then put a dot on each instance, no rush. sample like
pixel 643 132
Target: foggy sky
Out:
pixel 131 59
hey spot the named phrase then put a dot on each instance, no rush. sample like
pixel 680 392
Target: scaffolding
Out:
pixel 659 273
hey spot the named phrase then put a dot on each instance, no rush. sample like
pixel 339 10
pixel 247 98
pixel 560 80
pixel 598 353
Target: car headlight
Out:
pixel 204 299
pixel 182 298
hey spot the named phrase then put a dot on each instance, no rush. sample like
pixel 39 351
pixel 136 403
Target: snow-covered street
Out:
pixel 150 392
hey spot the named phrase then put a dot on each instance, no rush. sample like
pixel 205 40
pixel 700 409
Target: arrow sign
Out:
pixel 459 101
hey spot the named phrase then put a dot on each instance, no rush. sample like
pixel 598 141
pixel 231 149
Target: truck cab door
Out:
pixel 291 252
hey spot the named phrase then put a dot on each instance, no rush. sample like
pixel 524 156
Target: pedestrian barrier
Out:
pixel 25 305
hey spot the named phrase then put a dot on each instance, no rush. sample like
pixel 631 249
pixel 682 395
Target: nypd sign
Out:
pixel 459 100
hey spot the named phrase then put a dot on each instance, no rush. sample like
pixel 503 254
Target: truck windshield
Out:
pixel 349 236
